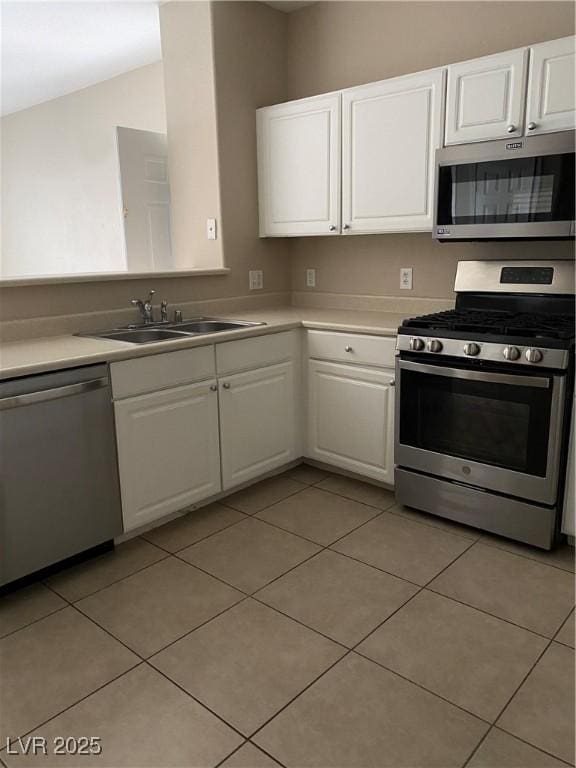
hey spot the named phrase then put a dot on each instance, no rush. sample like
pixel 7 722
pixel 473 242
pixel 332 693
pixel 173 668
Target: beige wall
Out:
pixel 61 198
pixel 248 42
pixel 190 86
pixel 334 45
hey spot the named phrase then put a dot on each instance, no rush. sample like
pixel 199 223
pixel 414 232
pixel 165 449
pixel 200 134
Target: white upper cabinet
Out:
pixel 390 131
pixel 551 88
pixel 299 167
pixel 485 97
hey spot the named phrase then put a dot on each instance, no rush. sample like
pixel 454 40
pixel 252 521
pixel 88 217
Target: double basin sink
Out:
pixel 145 334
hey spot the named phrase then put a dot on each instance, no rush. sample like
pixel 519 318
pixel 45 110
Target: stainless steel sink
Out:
pixel 141 335
pixel 209 326
pixel 145 334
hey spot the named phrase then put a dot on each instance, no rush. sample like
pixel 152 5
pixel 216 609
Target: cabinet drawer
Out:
pixel 253 353
pixel 352 348
pixel 170 369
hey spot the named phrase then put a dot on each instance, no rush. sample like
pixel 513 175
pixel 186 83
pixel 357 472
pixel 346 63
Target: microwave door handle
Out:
pixel 518 380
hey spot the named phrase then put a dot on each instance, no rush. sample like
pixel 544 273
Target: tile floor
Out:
pixel 306 621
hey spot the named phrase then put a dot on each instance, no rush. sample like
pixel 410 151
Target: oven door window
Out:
pixel 502 425
pixel 510 191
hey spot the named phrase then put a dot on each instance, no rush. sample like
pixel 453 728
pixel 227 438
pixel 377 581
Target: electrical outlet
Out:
pixel 311 278
pixel 211 229
pixel 256 279
pixel 406 278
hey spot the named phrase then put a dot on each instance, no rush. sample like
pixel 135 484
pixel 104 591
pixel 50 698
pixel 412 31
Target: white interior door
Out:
pixel 258 422
pixel 552 86
pixel 485 97
pixel 143 157
pixel 390 131
pixel 351 418
pixel 299 167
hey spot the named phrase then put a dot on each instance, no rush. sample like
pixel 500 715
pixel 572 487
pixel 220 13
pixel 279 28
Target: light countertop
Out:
pixel 37 355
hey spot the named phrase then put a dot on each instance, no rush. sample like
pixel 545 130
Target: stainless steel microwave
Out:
pixel 511 189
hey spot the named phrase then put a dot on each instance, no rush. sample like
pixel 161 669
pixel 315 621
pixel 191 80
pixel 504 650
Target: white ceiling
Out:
pixel 53 48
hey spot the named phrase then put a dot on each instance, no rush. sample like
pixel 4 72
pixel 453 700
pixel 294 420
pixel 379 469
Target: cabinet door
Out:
pixel 485 97
pixel 390 131
pixel 168 451
pixel 551 101
pixel 258 422
pixel 299 167
pixel 351 418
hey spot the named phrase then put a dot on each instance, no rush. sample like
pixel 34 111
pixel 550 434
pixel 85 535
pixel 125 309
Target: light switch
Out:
pixel 406 278
pixel 255 279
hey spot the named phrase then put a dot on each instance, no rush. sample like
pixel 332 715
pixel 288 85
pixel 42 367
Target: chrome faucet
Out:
pixel 145 308
pixel 164 311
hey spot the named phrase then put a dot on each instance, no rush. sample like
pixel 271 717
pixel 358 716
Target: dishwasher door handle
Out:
pixel 17 401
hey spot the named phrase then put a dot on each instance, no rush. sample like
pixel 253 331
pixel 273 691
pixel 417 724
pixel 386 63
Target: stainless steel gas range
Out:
pixel 483 400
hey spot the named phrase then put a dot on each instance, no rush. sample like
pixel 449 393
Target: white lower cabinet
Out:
pixel 351 418
pixel 258 422
pixel 168 451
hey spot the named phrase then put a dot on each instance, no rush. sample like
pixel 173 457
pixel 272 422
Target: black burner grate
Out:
pixel 497 323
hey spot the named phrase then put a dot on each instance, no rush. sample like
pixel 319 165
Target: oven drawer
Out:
pixel 352 348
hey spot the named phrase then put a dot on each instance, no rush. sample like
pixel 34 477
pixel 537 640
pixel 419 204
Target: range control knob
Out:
pixel 416 344
pixel 533 355
pixel 433 345
pixel 471 349
pixel 511 353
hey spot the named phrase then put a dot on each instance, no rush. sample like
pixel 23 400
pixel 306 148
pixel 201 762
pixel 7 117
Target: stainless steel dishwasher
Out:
pixel 59 489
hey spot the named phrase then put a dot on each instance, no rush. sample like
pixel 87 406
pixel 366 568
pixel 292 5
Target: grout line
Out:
pixel 437 527
pixel 477 747
pixel 115 581
pixel 267 506
pixel 80 700
pixel 487 613
pixel 497 545
pixel 276 760
pixel 202 538
pixel 526 676
pixel 234 751
pixel 35 621
pixel 519 738
pixel 198 701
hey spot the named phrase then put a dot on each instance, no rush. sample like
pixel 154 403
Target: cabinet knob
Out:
pixel 511 128
pixel 226 385
pixel 213 387
pixel 346 226
pixel 348 348
pixel 332 228
pixel 393 383
pixel 531 126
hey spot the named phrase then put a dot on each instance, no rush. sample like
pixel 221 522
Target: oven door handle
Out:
pixel 518 380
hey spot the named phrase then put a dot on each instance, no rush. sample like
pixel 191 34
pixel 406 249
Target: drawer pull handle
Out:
pixel 348 348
